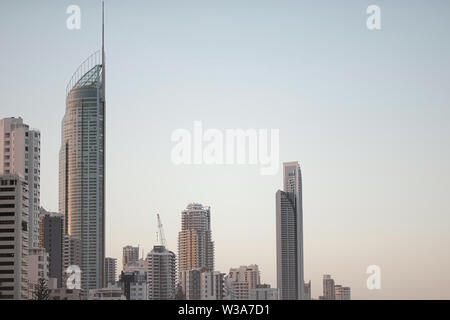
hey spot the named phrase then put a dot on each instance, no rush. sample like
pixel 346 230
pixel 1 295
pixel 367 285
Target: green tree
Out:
pixel 41 292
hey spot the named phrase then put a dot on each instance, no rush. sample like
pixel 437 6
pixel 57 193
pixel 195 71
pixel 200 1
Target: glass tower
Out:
pixel 82 167
pixel 289 222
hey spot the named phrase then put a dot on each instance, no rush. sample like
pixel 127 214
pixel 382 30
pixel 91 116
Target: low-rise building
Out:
pixel 109 293
pixel 62 293
pixel 342 293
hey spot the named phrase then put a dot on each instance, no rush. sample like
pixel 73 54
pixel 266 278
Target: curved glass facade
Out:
pixel 82 169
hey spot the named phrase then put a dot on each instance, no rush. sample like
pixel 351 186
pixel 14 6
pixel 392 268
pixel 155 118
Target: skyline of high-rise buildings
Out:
pixel 196 273
pixel 268 63
pixel 81 199
pixel 196 251
pixel 76 235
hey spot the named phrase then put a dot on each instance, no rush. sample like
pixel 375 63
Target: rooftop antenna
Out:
pixel 103 47
pixel 161 232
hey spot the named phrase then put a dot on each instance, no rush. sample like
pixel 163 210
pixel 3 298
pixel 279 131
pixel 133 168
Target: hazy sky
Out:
pixel 366 113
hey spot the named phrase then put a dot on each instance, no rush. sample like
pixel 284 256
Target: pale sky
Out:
pixel 366 114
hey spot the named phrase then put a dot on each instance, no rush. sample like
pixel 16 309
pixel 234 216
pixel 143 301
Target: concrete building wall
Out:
pixel 190 283
pixel 51 239
pixel 130 255
pixel 14 229
pixel 240 290
pixel 328 288
pixel 109 293
pixel 71 255
pixel 38 268
pixel 20 153
pixel 161 274
pixel 342 293
pixel 249 274
pixel 110 271
pixel 212 285
pixel 138 291
pixel 264 293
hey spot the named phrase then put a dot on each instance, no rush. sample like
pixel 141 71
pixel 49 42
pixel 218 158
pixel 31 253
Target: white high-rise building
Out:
pixel 14 226
pixel 249 274
pixel 289 234
pixel 161 274
pixel 195 246
pixel 20 153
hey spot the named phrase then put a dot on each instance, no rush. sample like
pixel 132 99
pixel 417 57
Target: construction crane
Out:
pixel 162 237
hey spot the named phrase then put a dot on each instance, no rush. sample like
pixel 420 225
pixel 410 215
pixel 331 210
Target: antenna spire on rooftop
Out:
pixel 103 49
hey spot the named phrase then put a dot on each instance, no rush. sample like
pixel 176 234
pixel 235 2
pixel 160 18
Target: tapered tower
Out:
pixel 82 166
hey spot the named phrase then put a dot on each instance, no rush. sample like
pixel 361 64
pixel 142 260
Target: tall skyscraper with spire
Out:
pixel 289 233
pixel 82 166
